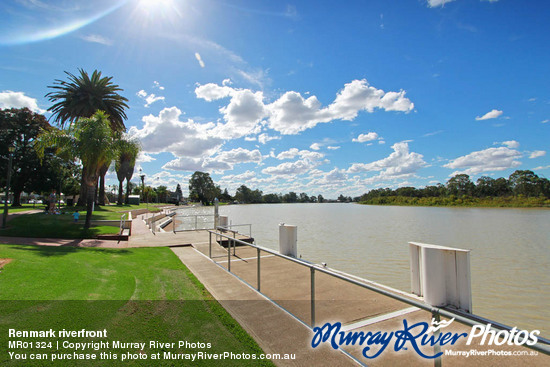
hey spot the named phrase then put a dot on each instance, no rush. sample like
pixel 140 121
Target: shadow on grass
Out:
pixel 49 251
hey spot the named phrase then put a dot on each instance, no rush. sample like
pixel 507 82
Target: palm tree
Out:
pixel 83 96
pixel 128 150
pixel 91 141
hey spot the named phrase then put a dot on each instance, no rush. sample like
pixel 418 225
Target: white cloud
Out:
pixel 400 163
pixel 493 114
pixel 304 154
pixel 545 121
pixel 512 144
pixel 292 113
pixel 488 160
pixel 157 85
pixel 149 98
pixel 96 38
pixel 264 138
pixel 315 146
pixel 211 91
pixel 199 59
pixel 144 158
pixel 330 147
pixel 242 115
pixel 537 153
pixel 435 3
pixel 239 155
pixel 10 99
pixel 366 137
pixel 166 133
pixel 290 168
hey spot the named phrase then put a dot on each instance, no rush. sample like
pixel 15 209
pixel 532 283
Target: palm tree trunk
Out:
pixel 83 189
pixel 101 197
pixel 102 173
pixel 127 201
pixel 96 191
pixel 89 205
pixel 119 202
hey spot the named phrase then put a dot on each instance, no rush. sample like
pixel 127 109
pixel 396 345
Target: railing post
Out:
pixel 437 346
pixel 234 242
pixel 312 270
pixel 210 244
pixel 228 254
pixel 258 271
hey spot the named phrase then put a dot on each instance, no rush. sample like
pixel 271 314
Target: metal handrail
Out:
pixel 230 226
pixel 196 216
pixel 543 344
pixel 122 223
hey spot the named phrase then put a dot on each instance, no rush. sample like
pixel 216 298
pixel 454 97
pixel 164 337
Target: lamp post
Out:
pixel 142 176
pixel 11 149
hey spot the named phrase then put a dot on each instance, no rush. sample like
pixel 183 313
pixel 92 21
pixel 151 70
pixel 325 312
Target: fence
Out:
pixel 541 346
pixel 192 222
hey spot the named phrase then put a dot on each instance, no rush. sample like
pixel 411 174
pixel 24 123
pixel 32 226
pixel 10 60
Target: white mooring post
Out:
pixel 288 238
pixel 441 275
pixel 216 213
pixel 223 221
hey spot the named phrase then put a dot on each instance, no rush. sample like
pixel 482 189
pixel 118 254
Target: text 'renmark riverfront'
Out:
pixel 54 334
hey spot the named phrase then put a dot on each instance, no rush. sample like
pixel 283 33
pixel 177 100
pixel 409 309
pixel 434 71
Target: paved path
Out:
pixel 272 328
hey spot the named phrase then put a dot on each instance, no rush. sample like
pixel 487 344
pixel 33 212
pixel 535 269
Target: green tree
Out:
pixel 128 150
pixel 179 194
pixel 272 198
pixel 91 141
pixel 485 186
pixel 19 128
pixel 162 192
pixel 304 198
pixel 291 197
pixel 525 182
pixel 83 96
pixel 460 185
pixel 225 197
pixel 202 188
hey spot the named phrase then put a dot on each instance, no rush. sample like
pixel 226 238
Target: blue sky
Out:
pixel 306 96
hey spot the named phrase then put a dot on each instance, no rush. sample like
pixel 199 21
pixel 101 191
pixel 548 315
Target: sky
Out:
pixel 320 97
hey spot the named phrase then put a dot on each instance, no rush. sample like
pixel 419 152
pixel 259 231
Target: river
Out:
pixel 510 257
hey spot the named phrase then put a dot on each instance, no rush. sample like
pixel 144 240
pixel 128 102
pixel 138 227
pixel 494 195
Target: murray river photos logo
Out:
pixel 416 336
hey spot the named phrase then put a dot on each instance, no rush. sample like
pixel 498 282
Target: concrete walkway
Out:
pixel 273 329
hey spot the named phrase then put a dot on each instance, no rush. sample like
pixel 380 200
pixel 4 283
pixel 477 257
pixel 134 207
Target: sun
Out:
pixel 153 11
pixel 154 5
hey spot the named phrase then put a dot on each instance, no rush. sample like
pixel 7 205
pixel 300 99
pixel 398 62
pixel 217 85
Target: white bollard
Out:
pixel 441 275
pixel 288 238
pixel 223 221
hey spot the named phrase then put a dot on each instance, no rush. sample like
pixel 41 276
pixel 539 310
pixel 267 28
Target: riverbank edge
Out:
pixel 508 202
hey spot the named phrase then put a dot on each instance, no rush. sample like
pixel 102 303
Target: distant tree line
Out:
pixel 203 189
pixel 521 188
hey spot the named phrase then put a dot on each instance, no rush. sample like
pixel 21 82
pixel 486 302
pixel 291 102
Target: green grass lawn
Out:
pixel 22 208
pixel 137 295
pixel 52 226
pixel 43 225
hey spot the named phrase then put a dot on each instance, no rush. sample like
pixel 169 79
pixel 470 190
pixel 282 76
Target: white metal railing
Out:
pixel 122 223
pixel 230 227
pixel 543 345
pixel 193 222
